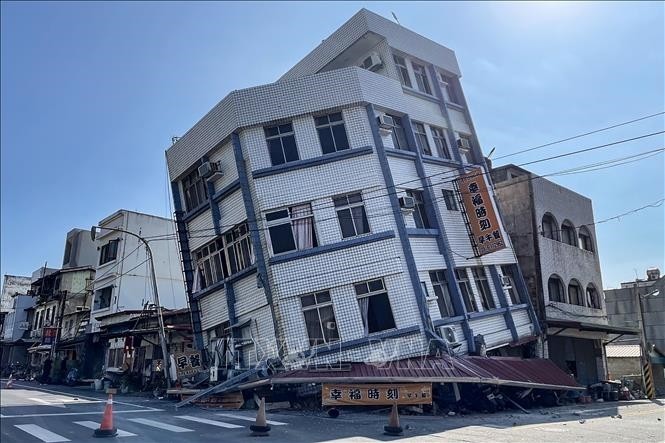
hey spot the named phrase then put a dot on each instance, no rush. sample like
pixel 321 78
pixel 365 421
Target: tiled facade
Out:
pixel 264 301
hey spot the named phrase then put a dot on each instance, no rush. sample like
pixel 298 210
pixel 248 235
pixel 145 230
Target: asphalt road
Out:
pixel 31 413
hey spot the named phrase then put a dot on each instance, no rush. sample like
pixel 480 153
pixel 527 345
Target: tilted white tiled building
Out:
pixel 292 221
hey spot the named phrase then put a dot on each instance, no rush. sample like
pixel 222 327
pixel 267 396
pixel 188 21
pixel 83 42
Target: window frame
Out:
pixel 98 297
pixel 554 227
pixel 511 289
pixel 397 129
pixel 291 219
pixel 317 306
pixel 105 254
pixel 594 302
pixel 440 141
pixel 281 136
pixel 451 88
pixel 442 291
pixel 349 207
pixel 421 138
pixel 468 296
pixel 369 293
pixel 422 79
pixel 402 71
pixel 568 233
pixel 579 293
pixel 240 254
pixel 561 290
pixel 585 239
pixel 482 283
pixel 330 125
pixel 194 190
pixel 210 273
pixel 421 209
pixel 450 199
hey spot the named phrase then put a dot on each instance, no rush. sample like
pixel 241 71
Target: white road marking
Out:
pixel 38 388
pixel 160 425
pixel 244 417
pixel 221 424
pixel 55 414
pixel 43 434
pixel 95 425
pixel 47 403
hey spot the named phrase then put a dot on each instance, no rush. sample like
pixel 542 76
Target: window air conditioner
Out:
pixel 210 170
pixel 385 121
pixel 372 63
pixel 448 334
pixel 463 144
pixel 407 203
pixel 505 280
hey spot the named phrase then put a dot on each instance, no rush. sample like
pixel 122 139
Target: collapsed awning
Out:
pixel 502 371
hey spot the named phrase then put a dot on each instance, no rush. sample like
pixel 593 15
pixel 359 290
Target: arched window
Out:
pixel 555 289
pixel 575 293
pixel 593 297
pixel 586 242
pixel 568 235
pixel 550 227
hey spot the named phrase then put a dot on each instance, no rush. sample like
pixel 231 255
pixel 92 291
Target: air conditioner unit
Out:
pixel 385 121
pixel 407 203
pixel 214 374
pixel 24 326
pixel 81 308
pixel 448 334
pixel 505 281
pixel 463 144
pixel 210 170
pixel 372 63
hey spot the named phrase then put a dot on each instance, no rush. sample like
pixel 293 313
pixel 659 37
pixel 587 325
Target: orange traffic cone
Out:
pixel 260 428
pixel 106 429
pixel 393 427
pixel 10 381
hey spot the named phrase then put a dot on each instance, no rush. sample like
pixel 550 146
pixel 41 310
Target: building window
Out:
pixel 450 200
pixel 398 134
pixel 374 306
pixel 332 133
pixel 575 293
pixel 68 252
pixel 419 215
pixel 550 227
pixel 194 189
pixel 568 235
pixel 291 229
pixel 593 298
pixel 421 138
pixel 239 248
pixel 108 252
pixel 440 142
pixel 319 318
pixel 442 293
pixel 211 264
pixel 281 144
pixel 450 87
pixel 351 214
pixel 103 298
pixel 402 70
pixel 509 285
pixel 116 358
pixel 483 285
pixel 465 153
pixel 585 239
pixel 466 291
pixel 555 289
pixel 421 78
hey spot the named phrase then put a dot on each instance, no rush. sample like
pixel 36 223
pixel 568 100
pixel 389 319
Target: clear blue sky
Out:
pixel 92 93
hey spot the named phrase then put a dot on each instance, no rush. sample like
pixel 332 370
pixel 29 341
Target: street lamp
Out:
pixel 160 317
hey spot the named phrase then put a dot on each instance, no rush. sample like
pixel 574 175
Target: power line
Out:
pixel 580 135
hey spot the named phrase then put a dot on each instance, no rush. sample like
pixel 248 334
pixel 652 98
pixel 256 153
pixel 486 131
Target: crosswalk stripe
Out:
pixel 95 425
pixel 221 424
pixel 43 434
pixel 160 425
pixel 244 417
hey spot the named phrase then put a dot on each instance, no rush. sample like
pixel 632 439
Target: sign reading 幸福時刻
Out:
pixel 485 231
pixel 369 394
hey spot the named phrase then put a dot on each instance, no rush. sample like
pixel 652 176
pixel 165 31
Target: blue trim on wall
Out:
pixel 444 110
pixel 227 281
pixel 214 208
pixel 208 290
pixel 186 256
pixel 524 296
pixel 253 228
pixel 449 320
pixel 416 232
pixel 409 155
pixel 344 244
pixel 419 94
pixel 399 219
pixel 440 161
pixel 226 191
pixel 434 216
pixel 498 287
pixel 309 162
pixel 330 349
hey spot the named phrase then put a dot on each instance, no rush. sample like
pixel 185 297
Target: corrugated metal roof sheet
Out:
pixel 510 371
pixel 618 351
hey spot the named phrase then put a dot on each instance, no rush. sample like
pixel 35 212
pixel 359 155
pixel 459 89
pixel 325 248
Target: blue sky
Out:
pixel 92 93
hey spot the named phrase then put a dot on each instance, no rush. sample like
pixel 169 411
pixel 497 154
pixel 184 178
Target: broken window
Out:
pixel 465 290
pixel 291 229
pixel 444 301
pixel 486 298
pixel 319 318
pixel 374 304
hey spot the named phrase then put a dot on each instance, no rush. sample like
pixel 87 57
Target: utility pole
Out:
pixel 158 306
pixel 647 374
